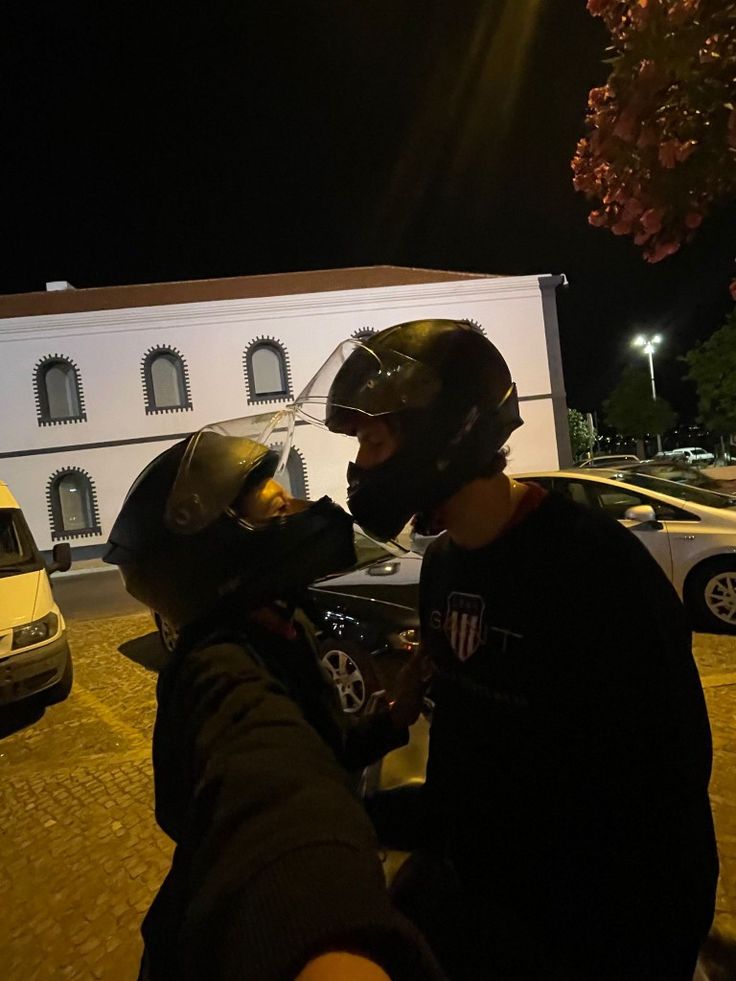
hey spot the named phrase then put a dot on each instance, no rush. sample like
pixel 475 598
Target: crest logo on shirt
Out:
pixel 463 625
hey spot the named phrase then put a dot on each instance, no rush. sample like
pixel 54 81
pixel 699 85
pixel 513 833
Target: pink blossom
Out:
pixel 693 219
pixel 597 218
pixel 632 209
pixel 625 128
pixel 668 154
pixel 662 251
pixel 651 220
pixel 598 7
pixel 598 97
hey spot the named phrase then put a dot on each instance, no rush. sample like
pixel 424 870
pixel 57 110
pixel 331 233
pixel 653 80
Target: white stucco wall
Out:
pixel 108 348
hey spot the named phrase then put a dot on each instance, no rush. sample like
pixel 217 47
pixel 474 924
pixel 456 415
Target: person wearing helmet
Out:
pixel 564 829
pixel 276 868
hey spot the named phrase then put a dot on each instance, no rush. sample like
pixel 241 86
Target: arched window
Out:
pixel 72 505
pixel 165 381
pixel 364 333
pixel 294 475
pixel 58 391
pixel 267 372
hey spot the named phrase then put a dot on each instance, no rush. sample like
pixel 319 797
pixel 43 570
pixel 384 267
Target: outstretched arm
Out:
pixel 276 861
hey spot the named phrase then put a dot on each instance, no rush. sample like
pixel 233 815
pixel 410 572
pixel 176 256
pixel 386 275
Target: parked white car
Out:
pixel 615 460
pixel 690 531
pixel 694 455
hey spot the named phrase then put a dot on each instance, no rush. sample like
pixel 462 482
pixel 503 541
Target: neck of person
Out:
pixel 478 513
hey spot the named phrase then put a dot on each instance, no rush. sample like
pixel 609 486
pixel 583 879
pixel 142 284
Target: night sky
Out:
pixel 166 142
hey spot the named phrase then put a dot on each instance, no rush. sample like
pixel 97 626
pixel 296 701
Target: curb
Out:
pixel 71 573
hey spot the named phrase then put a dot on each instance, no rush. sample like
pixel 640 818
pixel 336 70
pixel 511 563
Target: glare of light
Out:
pixel 646 344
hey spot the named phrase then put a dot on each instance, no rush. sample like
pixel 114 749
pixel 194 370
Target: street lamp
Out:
pixel 648 345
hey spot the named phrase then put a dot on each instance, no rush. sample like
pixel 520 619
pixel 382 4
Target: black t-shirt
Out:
pixel 570 749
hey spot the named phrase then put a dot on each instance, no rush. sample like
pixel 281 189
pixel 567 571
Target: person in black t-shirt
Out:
pixel 564 831
pixel 276 871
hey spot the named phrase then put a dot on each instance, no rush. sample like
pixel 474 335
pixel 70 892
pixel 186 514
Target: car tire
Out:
pixel 166 633
pixel 711 596
pixel 348 666
pixel 61 690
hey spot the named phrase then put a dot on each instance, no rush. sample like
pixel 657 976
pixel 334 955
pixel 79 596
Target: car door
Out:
pixel 616 501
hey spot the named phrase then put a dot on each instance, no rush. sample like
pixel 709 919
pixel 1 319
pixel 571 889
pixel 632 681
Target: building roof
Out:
pixel 234 288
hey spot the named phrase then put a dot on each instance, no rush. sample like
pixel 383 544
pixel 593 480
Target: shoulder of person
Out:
pixel 590 531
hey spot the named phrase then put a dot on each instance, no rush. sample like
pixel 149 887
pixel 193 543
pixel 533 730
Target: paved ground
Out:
pixel 80 854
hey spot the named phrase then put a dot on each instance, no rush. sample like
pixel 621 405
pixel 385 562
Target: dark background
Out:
pixel 162 142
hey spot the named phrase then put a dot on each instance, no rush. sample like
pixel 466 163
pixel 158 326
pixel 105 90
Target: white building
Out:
pixel 96 382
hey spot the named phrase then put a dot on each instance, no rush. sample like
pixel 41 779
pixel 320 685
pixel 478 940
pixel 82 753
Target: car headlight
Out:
pixel 36 632
pixel 408 639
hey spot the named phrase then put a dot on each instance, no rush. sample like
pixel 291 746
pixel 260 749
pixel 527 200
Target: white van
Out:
pixel 34 653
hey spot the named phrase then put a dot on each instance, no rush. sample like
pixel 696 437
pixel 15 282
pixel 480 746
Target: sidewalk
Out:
pixel 81 567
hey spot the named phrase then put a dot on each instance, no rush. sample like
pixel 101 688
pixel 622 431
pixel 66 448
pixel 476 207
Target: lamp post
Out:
pixel 648 345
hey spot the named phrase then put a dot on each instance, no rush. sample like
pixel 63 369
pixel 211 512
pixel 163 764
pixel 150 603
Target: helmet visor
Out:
pixel 218 462
pixel 357 378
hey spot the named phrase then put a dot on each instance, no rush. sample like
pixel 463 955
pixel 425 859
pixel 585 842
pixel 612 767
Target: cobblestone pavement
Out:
pixel 80 854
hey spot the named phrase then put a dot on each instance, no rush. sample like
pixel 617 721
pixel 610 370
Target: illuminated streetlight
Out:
pixel 648 345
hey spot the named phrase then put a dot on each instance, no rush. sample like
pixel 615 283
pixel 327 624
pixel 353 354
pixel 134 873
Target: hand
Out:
pixel 411 684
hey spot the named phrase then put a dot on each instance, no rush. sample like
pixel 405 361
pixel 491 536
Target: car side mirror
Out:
pixel 61 558
pixel 643 515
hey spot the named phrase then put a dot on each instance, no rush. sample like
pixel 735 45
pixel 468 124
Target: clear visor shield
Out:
pixel 217 463
pixel 355 378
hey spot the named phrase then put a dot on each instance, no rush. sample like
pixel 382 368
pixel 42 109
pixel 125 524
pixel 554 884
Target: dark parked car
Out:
pixel 369 621
pixel 367 618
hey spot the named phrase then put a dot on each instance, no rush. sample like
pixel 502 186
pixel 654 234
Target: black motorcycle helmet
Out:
pixel 183 548
pixel 449 394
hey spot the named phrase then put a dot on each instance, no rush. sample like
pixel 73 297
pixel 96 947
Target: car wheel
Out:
pixel 167 634
pixel 349 669
pixel 711 594
pixel 61 690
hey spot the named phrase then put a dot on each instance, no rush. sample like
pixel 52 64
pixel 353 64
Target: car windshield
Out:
pixel 683 492
pixel 369 551
pixel 16 544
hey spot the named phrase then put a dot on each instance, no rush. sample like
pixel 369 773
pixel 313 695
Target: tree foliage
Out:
pixel 660 150
pixel 582 434
pixel 713 369
pixel 631 409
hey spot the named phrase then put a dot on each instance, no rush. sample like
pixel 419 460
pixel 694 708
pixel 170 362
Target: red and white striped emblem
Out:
pixel 464 623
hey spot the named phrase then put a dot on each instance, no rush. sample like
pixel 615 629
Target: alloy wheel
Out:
pixel 347 678
pixel 720 597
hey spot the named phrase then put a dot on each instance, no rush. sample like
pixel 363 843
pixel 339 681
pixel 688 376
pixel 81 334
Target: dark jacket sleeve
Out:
pixel 275 859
